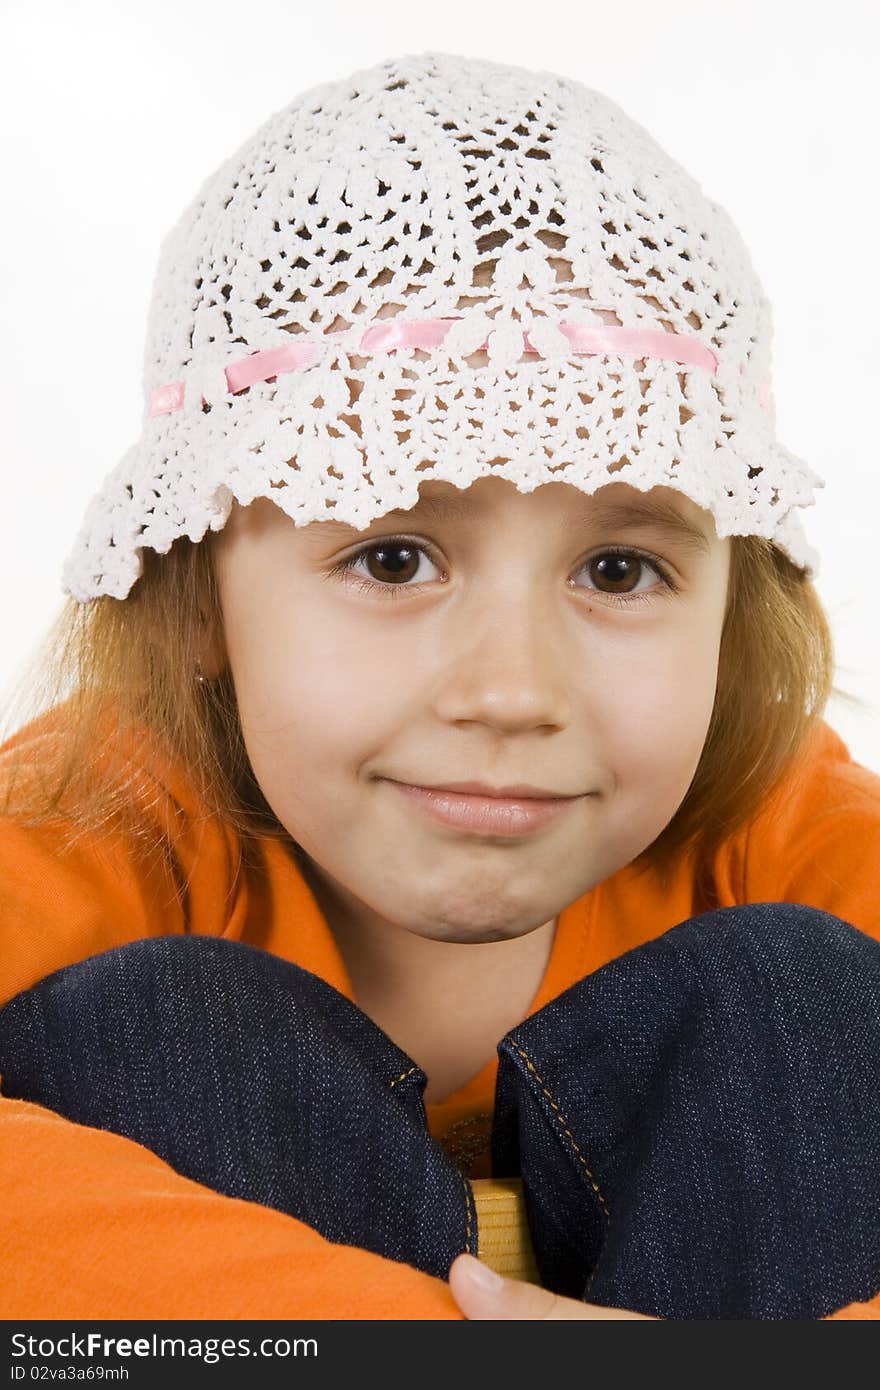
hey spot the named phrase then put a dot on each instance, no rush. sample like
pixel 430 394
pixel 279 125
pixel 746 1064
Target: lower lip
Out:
pixel 486 815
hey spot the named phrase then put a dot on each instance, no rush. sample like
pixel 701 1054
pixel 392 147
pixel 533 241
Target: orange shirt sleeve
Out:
pixel 95 1225
pixel 818 842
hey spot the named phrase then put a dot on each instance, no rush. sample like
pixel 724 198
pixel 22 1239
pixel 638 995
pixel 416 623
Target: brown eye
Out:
pixel 619 572
pixel 394 563
pixel 387 568
pixel 615 574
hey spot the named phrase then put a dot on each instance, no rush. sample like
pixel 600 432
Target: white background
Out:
pixel 113 115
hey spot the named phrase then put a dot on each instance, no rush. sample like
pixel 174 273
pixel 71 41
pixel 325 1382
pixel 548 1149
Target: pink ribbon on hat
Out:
pixel 610 341
pixel 603 341
pixel 391 333
pixel 246 371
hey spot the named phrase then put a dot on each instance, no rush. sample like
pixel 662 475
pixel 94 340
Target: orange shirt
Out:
pixel 98 1226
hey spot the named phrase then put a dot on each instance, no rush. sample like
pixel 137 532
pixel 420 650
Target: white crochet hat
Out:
pixel 446 268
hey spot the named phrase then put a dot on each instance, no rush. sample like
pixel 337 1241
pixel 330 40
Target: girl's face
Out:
pixel 499 642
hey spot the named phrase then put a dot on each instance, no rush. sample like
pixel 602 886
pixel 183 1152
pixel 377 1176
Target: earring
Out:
pixel 199 676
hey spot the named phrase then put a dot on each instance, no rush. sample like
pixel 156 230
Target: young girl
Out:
pixel 435 785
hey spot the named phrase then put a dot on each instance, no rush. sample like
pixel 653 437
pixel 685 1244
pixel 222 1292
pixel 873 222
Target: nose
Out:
pixel 505 662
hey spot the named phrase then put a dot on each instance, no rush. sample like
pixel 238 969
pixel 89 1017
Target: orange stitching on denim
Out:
pixel 564 1127
pixel 402 1077
pixel 470 1209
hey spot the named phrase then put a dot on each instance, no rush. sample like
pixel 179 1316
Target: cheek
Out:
pixel 309 701
pixel 657 714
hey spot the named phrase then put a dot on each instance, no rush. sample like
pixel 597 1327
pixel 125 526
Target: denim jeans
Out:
pixel 696 1124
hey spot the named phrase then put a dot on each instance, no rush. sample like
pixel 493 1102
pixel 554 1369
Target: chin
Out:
pixel 480 936
pixel 459 934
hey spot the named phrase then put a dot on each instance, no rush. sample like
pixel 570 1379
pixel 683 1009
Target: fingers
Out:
pixel 482 1294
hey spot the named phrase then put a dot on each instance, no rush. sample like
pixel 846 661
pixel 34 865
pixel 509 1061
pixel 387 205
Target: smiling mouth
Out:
pixel 486 815
pixel 518 792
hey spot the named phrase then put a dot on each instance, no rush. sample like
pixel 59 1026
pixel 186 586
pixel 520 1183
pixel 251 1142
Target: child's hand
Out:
pixel 515 1299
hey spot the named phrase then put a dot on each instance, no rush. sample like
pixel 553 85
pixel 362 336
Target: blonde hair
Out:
pixel 137 658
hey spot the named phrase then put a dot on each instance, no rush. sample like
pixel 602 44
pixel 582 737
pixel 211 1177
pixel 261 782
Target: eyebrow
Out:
pixel 635 514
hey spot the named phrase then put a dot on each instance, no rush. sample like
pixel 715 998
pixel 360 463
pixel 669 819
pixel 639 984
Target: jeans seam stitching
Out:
pixel 468 1204
pixel 564 1127
pixel 402 1077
